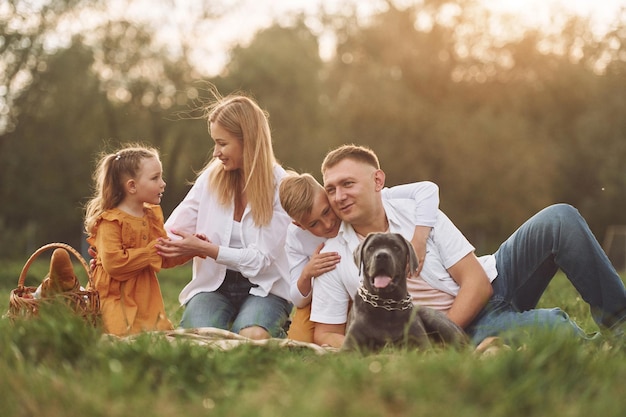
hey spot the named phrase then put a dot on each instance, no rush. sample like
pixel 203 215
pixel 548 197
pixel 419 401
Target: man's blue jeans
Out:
pixel 556 237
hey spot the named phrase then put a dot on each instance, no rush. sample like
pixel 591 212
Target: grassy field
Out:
pixel 57 366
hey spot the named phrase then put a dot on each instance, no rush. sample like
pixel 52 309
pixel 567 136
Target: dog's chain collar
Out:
pixel 386 303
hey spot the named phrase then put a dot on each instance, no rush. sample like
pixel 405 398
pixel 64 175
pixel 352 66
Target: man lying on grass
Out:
pixel 486 296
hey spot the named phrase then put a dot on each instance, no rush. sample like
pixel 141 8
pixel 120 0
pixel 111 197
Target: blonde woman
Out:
pixel 240 278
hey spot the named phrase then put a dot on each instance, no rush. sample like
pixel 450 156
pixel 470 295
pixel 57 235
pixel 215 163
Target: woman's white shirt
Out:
pixel 261 257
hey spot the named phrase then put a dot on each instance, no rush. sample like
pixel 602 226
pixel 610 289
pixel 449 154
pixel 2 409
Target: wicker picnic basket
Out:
pixel 84 301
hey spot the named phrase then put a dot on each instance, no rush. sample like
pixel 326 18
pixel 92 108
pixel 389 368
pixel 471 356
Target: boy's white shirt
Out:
pixel 300 244
pixel 445 246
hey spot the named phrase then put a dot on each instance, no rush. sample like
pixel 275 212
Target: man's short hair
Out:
pixel 355 152
pixel 297 192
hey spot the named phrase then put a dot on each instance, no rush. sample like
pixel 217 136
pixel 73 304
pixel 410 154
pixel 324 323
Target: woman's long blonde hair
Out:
pixel 243 118
pixel 111 172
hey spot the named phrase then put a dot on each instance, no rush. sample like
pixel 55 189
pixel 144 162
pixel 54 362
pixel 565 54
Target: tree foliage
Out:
pixel 24 28
pixel 504 127
pixel 282 69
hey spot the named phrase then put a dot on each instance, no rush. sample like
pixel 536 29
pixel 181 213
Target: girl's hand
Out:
pixel 201 236
pixel 92 262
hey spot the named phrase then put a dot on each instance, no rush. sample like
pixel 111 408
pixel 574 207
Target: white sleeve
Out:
pixel 451 244
pixel 445 247
pixel 330 296
pixel 297 260
pixel 426 196
pixel 185 215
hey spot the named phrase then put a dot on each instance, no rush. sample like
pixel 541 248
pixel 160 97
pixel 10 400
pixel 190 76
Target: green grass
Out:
pixel 57 366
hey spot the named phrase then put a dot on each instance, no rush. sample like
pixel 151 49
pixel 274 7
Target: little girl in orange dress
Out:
pixel 123 221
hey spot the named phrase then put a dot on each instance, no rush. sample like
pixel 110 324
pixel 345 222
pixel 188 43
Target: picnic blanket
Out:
pixel 224 339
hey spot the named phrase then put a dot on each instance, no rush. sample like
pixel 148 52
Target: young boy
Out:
pixel 314 221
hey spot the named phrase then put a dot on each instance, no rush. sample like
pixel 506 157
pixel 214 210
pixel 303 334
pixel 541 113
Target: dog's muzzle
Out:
pixel 382 271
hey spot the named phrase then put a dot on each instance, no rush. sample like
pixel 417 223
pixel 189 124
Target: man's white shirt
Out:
pixel 445 246
pixel 301 244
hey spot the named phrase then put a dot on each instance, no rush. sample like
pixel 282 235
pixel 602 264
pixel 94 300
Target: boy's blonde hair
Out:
pixel 243 118
pixel 354 152
pixel 297 192
pixel 111 172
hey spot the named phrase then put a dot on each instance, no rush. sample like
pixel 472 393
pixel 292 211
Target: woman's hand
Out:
pixel 188 245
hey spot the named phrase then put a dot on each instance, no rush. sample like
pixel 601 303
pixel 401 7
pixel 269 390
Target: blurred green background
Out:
pixel 503 126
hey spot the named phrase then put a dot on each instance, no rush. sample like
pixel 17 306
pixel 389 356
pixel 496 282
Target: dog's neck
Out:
pixel 385 303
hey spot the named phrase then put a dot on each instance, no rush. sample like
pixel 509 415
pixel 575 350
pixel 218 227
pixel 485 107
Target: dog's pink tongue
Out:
pixel 381 281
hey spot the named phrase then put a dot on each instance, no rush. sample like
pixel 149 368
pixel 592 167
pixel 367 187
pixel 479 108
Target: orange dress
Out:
pixel 125 271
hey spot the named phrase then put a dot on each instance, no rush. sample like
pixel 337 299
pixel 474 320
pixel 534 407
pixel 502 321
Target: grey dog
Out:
pixel 383 313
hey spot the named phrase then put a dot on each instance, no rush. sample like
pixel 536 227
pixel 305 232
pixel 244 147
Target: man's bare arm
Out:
pixel 329 334
pixel 475 290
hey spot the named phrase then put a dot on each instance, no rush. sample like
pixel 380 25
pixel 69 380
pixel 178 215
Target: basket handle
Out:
pixel 22 278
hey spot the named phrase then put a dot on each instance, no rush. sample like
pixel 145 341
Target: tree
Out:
pixel 282 69
pixel 395 90
pixel 147 91
pixel 87 99
pixel 494 124
pixel 114 84
pixel 47 160
pixel 504 127
pixel 24 29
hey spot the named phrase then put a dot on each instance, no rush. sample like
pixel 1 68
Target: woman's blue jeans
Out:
pixel 556 237
pixel 233 308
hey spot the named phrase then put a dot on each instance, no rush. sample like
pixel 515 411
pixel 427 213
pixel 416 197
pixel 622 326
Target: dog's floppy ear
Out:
pixel 357 256
pixel 358 253
pixel 412 261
